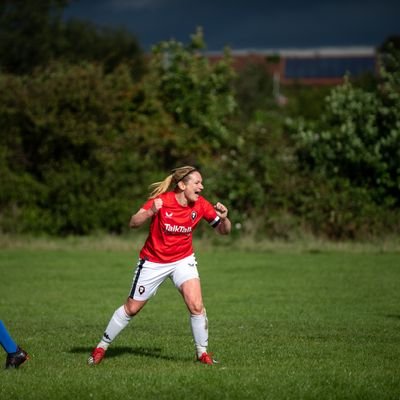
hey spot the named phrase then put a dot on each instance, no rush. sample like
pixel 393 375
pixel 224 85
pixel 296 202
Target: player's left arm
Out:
pixel 225 226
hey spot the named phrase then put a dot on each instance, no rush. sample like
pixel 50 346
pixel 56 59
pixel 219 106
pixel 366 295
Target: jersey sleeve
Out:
pixel 148 204
pixel 210 215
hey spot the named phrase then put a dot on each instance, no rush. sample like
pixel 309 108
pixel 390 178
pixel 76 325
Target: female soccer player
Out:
pixel 175 207
pixel 15 355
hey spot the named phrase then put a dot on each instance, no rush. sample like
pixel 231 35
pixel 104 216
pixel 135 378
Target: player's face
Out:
pixel 193 186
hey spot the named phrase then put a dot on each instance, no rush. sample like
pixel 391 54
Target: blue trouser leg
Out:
pixel 6 340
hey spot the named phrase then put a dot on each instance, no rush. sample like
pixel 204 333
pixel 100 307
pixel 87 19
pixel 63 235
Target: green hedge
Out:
pixel 79 145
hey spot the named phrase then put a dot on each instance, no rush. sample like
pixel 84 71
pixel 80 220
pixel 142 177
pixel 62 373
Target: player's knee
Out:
pixel 196 308
pixel 129 310
pixel 132 307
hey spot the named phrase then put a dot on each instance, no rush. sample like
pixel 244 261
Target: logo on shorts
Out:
pixel 142 289
pixel 194 215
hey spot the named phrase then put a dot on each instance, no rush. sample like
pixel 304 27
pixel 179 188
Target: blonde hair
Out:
pixel 170 182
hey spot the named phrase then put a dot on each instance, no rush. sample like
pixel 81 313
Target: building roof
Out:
pixel 302 52
pixel 325 65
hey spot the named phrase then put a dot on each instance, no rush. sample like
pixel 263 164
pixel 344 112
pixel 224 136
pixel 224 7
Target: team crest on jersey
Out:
pixel 194 215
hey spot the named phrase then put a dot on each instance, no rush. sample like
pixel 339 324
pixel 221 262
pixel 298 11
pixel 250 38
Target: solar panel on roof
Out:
pixel 328 67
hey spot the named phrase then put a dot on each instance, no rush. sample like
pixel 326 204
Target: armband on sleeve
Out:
pixel 215 222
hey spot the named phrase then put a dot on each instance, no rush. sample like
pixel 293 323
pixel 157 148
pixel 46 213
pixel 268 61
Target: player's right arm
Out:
pixel 143 214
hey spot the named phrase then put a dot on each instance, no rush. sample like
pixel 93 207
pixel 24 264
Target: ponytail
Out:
pixel 170 182
pixel 158 188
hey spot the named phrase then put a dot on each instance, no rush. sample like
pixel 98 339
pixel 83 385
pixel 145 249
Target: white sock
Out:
pixel 117 323
pixel 199 324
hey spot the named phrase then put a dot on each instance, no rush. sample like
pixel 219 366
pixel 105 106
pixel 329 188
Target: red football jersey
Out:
pixel 171 229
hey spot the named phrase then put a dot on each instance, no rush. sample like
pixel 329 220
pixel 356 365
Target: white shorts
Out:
pixel 149 276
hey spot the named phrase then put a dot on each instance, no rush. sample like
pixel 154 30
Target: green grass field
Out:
pixel 284 325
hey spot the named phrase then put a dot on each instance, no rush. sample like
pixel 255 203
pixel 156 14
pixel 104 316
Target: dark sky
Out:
pixel 248 24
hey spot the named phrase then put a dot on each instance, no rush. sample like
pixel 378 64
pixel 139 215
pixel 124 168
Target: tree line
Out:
pixel 84 130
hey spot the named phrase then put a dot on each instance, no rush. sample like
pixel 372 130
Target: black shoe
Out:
pixel 14 360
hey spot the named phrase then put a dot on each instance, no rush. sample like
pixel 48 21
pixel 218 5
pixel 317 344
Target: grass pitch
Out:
pixel 284 325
